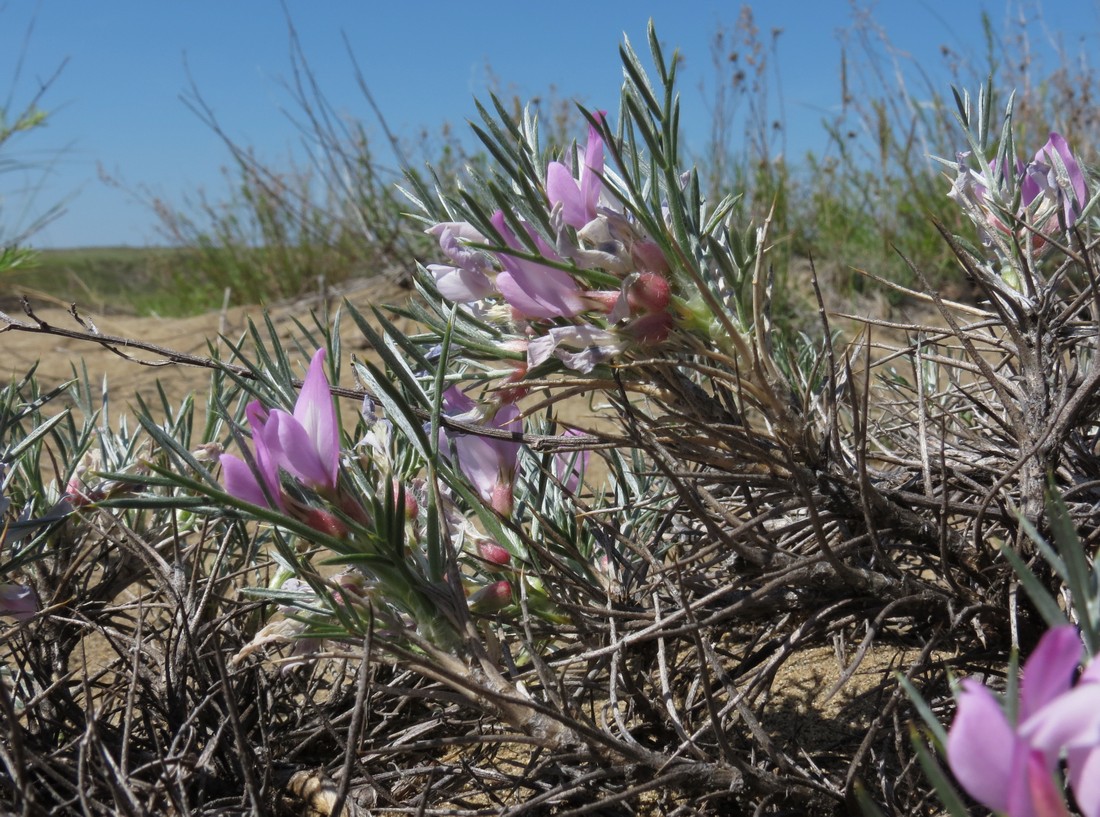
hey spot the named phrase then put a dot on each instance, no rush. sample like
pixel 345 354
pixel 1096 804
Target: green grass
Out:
pixel 177 281
pixel 107 279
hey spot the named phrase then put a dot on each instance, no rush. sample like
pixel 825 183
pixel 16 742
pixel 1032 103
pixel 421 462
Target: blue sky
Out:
pixel 116 105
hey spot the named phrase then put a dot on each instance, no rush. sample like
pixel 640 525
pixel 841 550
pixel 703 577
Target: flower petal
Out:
pixel 1044 797
pixel 256 414
pixel 981 745
pixel 540 349
pixel 18 601
pixel 588 359
pixel 591 184
pixel 1057 144
pixel 293 450
pixel 1072 720
pixel 488 463
pixel 596 345
pixel 316 413
pixel 562 188
pixel 458 404
pixel 461 285
pixel 535 290
pixel 1048 672
pixel 240 481
pixel 460 230
pixel 1084 779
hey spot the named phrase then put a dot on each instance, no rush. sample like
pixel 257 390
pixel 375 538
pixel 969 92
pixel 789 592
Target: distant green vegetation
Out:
pixel 107 279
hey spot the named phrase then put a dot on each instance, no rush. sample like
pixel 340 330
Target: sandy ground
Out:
pixel 56 356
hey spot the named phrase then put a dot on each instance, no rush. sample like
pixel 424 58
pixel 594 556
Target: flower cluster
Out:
pixel 305 445
pixel 294 468
pixel 1011 765
pixel 491 465
pixel 554 310
pixel 1051 189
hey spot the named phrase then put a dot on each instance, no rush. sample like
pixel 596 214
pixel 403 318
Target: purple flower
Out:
pixel 306 443
pixel 487 462
pixel 1055 175
pixel 1011 768
pixel 465 280
pixel 535 290
pixel 1050 182
pixel 460 285
pixel 578 199
pixel 18 601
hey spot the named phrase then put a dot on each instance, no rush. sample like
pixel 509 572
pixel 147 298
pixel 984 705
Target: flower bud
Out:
pixel 412 508
pixel 77 490
pixel 492 597
pixel 208 452
pixel 354 510
pixel 651 329
pixel 513 394
pixel 323 522
pixel 493 553
pixel 650 292
pixel 349 587
pixel 80 495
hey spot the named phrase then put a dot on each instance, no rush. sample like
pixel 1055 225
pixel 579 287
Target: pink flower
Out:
pixel 487 462
pixel 535 290
pixel 306 444
pixel 309 440
pixel 1044 177
pixel 465 280
pixel 1011 768
pixel 1050 182
pixel 260 486
pixel 578 199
